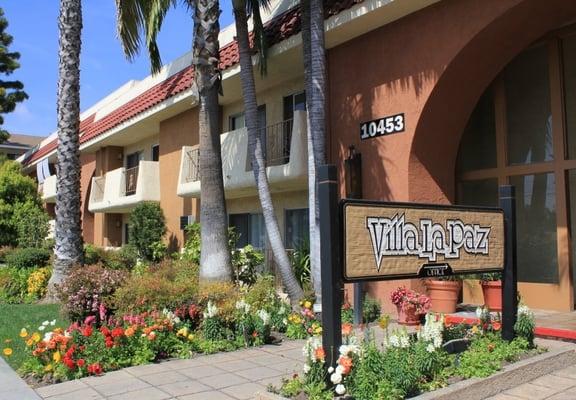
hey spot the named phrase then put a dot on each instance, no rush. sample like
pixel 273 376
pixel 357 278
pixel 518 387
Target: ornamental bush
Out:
pixel 87 292
pixel 14 285
pixel 146 227
pixel 125 258
pixel 28 257
pixel 32 224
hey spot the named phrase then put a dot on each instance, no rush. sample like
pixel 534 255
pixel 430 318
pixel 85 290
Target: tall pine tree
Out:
pixel 11 92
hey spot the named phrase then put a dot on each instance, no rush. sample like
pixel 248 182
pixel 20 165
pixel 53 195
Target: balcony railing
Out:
pixel 192 165
pixel 98 185
pixel 130 181
pixel 286 157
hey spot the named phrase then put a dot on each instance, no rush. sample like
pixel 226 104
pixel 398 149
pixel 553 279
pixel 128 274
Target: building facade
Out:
pixel 486 89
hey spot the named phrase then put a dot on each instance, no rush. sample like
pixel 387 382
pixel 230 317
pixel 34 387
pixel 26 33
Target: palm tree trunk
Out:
pixel 315 82
pixel 68 250
pixel 215 254
pixel 255 150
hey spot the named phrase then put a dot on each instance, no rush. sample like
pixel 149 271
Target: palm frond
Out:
pixel 253 9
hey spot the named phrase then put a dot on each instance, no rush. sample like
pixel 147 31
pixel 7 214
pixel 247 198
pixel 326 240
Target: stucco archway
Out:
pixel 437 135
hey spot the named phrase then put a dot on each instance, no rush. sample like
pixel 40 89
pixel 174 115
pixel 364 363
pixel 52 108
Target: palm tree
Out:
pixel 68 250
pixel 242 8
pixel 315 83
pixel 135 16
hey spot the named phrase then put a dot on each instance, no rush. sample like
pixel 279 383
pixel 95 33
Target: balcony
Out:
pixel 48 189
pixel 120 190
pixel 286 160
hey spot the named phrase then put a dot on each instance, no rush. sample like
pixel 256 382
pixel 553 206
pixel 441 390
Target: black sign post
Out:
pixel 331 274
pixel 509 276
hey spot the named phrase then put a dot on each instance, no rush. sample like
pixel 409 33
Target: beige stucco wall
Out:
pixel 282 202
pixel 273 98
pixel 145 146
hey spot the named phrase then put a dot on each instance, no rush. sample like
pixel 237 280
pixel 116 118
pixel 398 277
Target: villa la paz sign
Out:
pixel 393 240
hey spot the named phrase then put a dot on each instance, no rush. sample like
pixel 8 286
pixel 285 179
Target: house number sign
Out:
pixel 382 126
pixel 395 240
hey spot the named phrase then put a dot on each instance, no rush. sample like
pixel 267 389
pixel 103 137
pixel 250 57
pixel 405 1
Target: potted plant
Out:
pixel 492 289
pixel 410 304
pixel 444 292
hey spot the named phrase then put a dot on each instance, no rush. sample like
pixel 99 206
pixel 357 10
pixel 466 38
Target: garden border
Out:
pixel 559 356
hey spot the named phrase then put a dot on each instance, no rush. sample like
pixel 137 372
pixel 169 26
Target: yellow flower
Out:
pixel 307 304
pixel 474 329
pixel 48 368
pixel 29 342
pixel 36 337
pixel 384 321
pixel 182 332
pixel 7 351
pixel 23 333
pixel 56 357
pixel 190 337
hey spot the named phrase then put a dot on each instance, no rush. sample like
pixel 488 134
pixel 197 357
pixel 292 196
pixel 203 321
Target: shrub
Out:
pixel 124 258
pixel 191 250
pixel 146 227
pixel 87 291
pixel 32 224
pixel 300 260
pixel 28 258
pixel 223 295
pixel 92 254
pixel 14 284
pixel 245 262
pixel 370 309
pixel 38 282
pixel 170 285
pixel 4 251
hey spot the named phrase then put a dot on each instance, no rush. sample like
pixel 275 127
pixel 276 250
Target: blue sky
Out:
pixel 33 24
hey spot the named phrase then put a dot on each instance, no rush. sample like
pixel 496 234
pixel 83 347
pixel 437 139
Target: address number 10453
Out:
pixel 382 126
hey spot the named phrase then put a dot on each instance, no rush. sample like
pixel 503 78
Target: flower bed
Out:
pixel 406 364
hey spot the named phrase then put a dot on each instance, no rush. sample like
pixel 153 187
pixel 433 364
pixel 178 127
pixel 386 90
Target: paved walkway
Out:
pixel 224 376
pixel 12 387
pixel 560 385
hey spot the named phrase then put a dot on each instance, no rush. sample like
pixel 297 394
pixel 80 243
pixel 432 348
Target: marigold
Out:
pixel 7 351
pixel 347 329
pixel 57 357
pixel 319 353
pixel 30 342
pixel 130 331
pixel 36 337
pixel 23 333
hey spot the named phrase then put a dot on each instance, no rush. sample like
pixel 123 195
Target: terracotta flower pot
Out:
pixel 408 317
pixel 444 295
pixel 492 295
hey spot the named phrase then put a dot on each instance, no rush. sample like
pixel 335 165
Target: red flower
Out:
pixel 69 362
pixel 496 325
pixel 94 369
pixel 105 331
pixel 80 362
pixel 87 331
pixel 117 332
pixel 109 342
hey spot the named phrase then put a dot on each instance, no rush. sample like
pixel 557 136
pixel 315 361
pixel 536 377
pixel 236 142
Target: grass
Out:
pixel 14 317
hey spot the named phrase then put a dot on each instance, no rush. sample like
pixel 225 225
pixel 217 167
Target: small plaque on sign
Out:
pixel 394 240
pixel 382 126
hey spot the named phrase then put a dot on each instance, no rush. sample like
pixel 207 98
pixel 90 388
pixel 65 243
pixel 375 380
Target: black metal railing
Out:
pixel 131 180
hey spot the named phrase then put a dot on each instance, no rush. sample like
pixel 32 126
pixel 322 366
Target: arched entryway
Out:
pixel 512 91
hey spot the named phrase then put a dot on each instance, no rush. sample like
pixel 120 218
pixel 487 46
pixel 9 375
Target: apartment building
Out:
pixel 16 145
pixel 475 93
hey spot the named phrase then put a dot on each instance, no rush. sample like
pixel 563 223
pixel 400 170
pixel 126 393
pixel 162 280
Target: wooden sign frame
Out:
pixel 427 269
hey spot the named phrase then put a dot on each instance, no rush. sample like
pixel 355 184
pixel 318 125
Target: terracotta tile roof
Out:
pixel 278 29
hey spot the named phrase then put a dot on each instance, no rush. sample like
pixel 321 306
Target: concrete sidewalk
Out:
pixel 224 376
pixel 12 387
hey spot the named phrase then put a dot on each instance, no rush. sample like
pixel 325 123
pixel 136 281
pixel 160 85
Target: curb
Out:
pixel 510 376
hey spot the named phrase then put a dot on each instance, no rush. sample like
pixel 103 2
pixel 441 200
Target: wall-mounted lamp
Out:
pixel 353 170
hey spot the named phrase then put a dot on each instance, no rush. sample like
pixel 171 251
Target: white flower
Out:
pixel 430 348
pixel 241 305
pixel 432 330
pixel 48 336
pixel 45 323
pixel 394 341
pixel 264 316
pixel 41 327
pixel 285 321
pixel 211 310
pixel 340 389
pixel 336 378
pixel 339 370
pixel 53 322
pixel 306 368
pixel 330 370
pixel 404 341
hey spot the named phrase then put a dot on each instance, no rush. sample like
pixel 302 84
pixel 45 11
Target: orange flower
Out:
pixel 496 325
pixel 319 353
pixel 129 331
pixel 7 351
pixel 347 329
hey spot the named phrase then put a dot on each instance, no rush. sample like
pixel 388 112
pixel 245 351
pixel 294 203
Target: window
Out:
pixel 126 234
pixel 133 159
pixel 250 229
pixel 236 122
pixel 509 140
pixel 297 227
pixel 294 102
pixel 156 152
